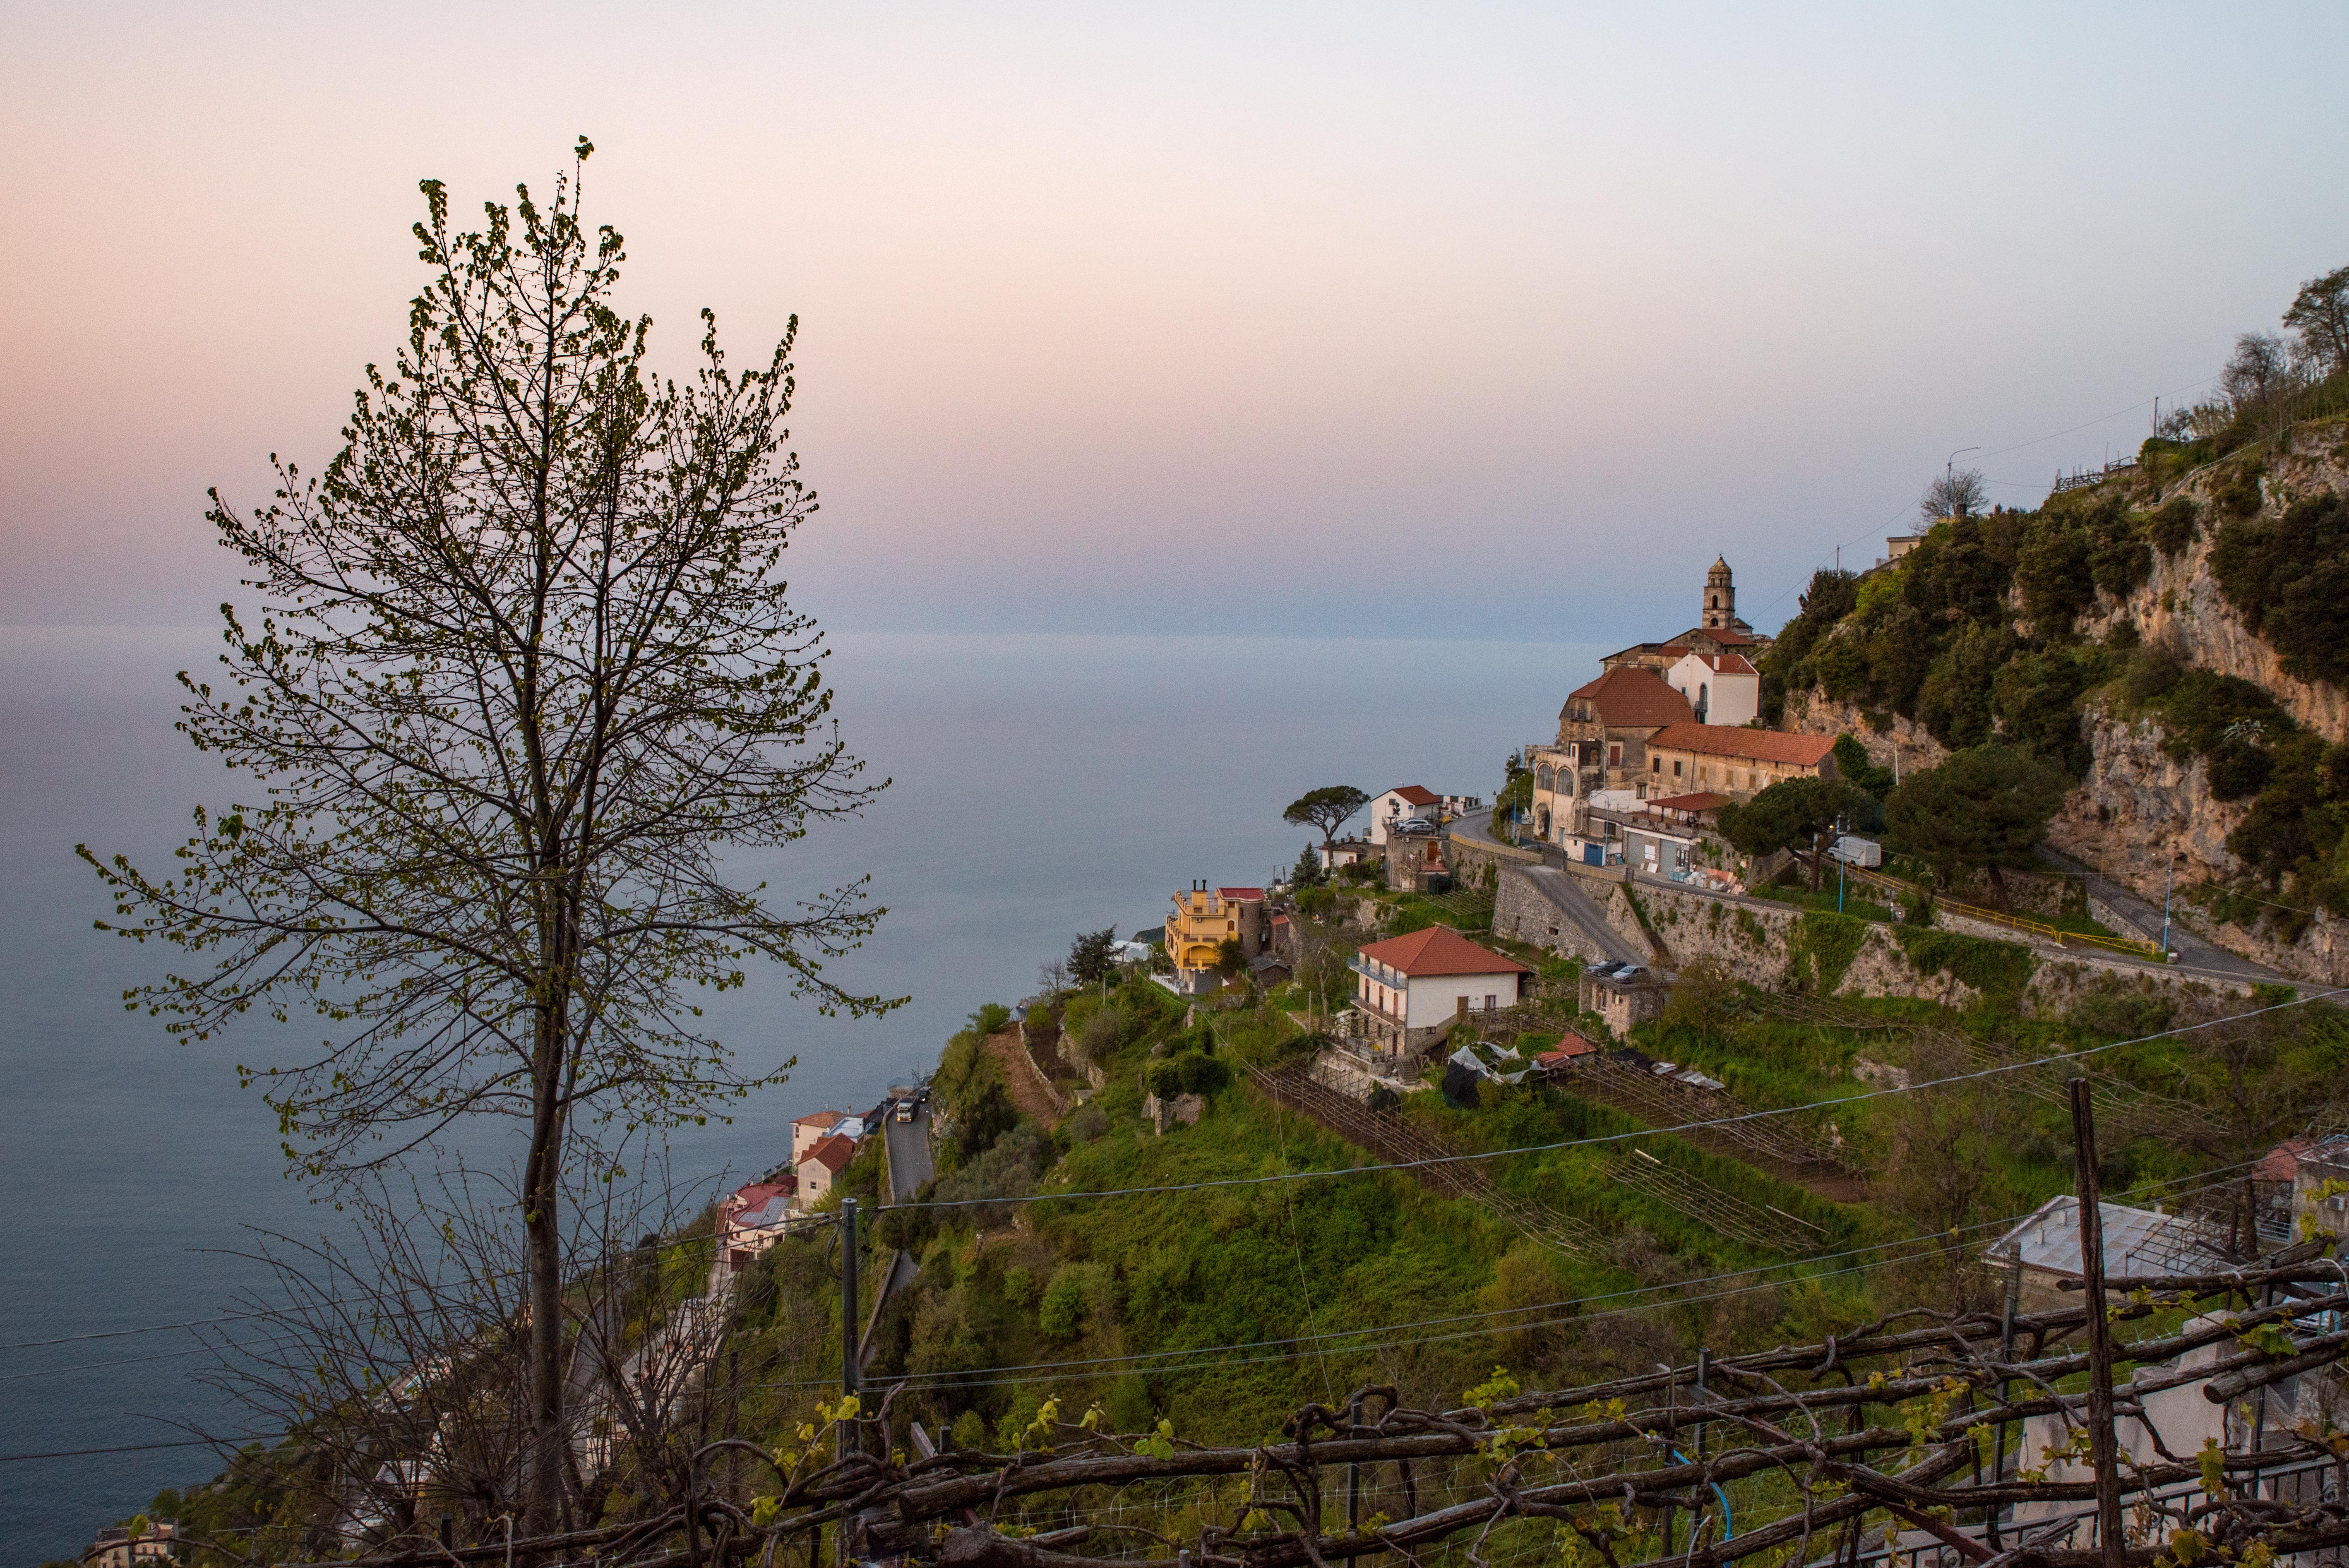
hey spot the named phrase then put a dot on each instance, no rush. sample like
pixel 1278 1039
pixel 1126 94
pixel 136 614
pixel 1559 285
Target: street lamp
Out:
pixel 1949 475
pixel 2168 881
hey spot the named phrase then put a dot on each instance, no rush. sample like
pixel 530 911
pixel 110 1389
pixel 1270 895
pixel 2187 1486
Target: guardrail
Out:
pixel 2057 934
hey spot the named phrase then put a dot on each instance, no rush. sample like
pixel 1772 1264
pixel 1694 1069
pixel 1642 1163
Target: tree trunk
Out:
pixel 542 1191
pixel 1998 887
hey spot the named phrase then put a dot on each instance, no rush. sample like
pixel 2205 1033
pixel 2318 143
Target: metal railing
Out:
pixel 2054 934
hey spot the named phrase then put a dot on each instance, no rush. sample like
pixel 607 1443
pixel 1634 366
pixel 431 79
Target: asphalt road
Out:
pixel 2196 958
pixel 909 1154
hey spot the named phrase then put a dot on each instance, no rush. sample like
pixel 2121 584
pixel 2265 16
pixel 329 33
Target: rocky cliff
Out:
pixel 2181 604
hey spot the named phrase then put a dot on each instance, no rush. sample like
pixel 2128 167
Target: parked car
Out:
pixel 1414 825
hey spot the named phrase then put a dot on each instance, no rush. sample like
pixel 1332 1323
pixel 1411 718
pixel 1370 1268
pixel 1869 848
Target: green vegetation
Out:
pixel 1796 814
pixel 1999 970
pixel 1325 810
pixel 1983 808
pixel 2288 577
pixel 1822 947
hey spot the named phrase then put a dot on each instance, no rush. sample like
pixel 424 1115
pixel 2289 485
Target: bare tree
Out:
pixel 402 1358
pixel 522 663
pixel 2319 317
pixel 1960 492
pixel 2256 371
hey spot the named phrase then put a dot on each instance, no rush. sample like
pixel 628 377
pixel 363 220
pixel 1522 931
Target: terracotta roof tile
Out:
pixel 1752 744
pixel 1439 950
pixel 834 1154
pixel 1417 795
pixel 1703 801
pixel 1633 698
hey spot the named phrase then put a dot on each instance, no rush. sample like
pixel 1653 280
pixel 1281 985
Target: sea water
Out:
pixel 1039 786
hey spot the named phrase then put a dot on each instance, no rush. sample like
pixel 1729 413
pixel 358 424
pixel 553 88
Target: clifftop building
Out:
pixel 1704 677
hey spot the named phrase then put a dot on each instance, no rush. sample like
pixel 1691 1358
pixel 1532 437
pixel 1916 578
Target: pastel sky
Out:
pixel 1448 321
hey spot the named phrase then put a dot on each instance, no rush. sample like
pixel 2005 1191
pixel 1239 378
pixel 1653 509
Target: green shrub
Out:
pixel 1188 1072
pixel 1822 949
pixel 2170 528
pixel 1999 970
pixel 2238 494
pixel 2153 670
pixel 2288 577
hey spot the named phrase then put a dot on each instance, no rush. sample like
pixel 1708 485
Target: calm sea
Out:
pixel 1041 786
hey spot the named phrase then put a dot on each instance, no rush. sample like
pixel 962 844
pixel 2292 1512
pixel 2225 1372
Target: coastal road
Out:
pixel 2195 952
pixel 909 1153
pixel 2198 959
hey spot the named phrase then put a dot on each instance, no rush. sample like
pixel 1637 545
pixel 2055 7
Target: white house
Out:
pixel 1721 687
pixel 1409 990
pixel 815 1174
pixel 1401 803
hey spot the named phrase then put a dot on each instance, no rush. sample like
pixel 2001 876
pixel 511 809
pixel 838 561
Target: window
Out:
pixel 1492 1003
pixel 1676 766
pixel 1615 757
pixel 1655 765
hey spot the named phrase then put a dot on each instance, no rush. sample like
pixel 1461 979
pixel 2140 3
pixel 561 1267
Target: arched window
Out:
pixel 1543 777
pixel 1704 694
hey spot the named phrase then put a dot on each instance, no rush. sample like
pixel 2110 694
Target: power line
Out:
pixel 1370 1169
pixel 2019 446
pixel 1622 1137
pixel 2202 1183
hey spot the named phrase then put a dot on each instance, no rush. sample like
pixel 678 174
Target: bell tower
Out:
pixel 1720 598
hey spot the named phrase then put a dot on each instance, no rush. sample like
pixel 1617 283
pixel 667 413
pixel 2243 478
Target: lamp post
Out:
pixel 1840 829
pixel 2168 882
pixel 1949 468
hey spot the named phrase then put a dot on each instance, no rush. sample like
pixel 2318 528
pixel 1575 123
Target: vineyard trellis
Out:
pixel 1390 1137
pixel 1892 1421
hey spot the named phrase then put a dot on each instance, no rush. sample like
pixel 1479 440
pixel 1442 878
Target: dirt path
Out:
pixel 1021 1075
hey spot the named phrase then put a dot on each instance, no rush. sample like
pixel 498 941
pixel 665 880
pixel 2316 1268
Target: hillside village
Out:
pixel 1768 953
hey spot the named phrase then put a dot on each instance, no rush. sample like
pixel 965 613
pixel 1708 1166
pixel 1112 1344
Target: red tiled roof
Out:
pixel 1417 795
pixel 1633 698
pixel 1702 801
pixel 1566 1050
pixel 1752 744
pixel 820 1119
pixel 2283 1162
pixel 1728 664
pixel 1728 638
pixel 834 1154
pixel 1439 950
pixel 1244 894
pixel 757 1193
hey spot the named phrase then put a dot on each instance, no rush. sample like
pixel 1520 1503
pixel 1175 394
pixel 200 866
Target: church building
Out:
pixel 1704 678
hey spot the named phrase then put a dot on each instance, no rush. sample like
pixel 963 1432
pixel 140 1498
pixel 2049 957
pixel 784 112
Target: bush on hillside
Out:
pixel 2288 577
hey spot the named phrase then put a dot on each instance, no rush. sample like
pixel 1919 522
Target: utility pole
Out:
pixel 851 1375
pixel 2103 1439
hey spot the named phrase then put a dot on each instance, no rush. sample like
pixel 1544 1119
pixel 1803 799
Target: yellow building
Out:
pixel 1205 918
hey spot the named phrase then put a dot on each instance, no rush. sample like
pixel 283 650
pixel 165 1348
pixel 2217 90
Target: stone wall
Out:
pixel 1755 940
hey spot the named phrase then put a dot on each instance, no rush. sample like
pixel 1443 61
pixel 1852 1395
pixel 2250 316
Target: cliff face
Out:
pixel 2137 805
pixel 2182 605
pixel 1903 747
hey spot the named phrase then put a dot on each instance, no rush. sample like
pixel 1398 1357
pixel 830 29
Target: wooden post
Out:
pixel 2104 1440
pixel 1353 1471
